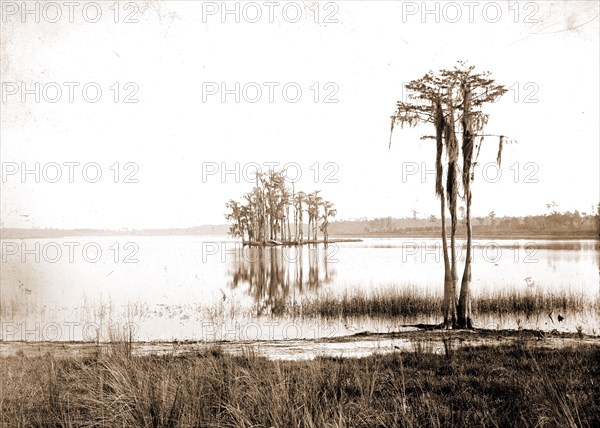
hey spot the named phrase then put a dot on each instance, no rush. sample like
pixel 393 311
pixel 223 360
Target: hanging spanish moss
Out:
pixel 265 215
pixel 476 162
pixel 453 95
pixel 467 143
pixel 452 154
pixel 439 133
pixel 464 302
pixel 500 145
pixel 392 131
pixel 452 194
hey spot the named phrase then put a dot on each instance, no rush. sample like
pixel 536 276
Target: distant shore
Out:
pixel 335 237
pixel 272 243
pixel 588 234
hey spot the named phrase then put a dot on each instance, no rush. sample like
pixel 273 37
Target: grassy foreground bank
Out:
pixel 492 386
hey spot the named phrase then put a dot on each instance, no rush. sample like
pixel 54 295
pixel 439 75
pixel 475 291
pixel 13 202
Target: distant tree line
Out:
pixel 273 211
pixel 565 222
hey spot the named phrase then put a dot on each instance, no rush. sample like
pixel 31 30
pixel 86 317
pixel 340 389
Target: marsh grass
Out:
pixel 529 302
pixel 385 302
pixel 410 302
pixel 491 386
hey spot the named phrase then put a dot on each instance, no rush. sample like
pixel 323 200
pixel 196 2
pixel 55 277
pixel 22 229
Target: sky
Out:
pixel 165 143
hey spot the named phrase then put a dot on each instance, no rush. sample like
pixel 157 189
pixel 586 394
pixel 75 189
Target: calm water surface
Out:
pixel 210 288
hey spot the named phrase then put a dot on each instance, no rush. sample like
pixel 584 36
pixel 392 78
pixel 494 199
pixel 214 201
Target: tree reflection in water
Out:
pixel 276 276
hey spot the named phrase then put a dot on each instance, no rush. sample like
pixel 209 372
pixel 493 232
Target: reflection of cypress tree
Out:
pixel 299 263
pixel 274 276
pixel 268 277
pixel 313 268
pixel 328 274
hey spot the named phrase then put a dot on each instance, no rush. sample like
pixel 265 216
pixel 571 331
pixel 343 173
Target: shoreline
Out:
pixel 442 378
pixel 338 237
pixel 459 236
pixel 273 243
pixel 369 343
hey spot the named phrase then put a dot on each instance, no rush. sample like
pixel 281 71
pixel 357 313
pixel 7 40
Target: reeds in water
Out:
pixel 411 302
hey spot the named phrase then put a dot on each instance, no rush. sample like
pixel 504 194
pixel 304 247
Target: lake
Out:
pixel 188 288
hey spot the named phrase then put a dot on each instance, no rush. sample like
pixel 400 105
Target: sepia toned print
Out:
pixel 299 213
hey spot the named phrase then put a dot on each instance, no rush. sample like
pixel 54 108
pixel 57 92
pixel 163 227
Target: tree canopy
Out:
pixel 452 101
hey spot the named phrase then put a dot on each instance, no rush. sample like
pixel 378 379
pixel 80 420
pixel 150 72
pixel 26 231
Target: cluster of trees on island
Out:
pixel 272 211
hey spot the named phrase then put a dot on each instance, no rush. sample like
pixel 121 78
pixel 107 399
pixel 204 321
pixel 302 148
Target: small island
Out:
pixel 273 214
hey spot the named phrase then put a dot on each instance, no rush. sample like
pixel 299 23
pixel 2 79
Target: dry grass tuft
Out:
pixel 491 386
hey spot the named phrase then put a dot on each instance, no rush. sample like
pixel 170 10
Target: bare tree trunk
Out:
pixel 299 236
pixel 464 302
pixel 453 272
pixel 289 231
pixel 295 211
pixel 295 222
pixel 449 305
pixel 452 192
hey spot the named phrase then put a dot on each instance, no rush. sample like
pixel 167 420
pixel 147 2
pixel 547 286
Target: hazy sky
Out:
pixel 175 141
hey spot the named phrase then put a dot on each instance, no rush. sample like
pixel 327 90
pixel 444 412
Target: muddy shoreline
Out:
pixel 358 345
